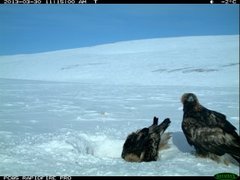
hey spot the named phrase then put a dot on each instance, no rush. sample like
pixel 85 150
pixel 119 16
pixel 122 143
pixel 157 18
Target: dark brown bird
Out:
pixel 209 131
pixel 144 144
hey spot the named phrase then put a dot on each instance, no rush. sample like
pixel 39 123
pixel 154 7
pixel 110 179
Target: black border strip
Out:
pixel 119 2
pixel 104 177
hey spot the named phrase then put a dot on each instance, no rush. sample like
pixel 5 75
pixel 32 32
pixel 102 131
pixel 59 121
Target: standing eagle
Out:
pixel 209 131
pixel 144 144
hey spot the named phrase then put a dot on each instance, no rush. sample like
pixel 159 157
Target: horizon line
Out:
pixel 113 42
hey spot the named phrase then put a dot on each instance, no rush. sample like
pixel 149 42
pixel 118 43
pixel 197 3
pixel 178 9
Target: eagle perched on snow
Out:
pixel 209 131
pixel 144 144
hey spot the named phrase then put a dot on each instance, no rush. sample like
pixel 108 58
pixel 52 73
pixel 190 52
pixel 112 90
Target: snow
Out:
pixel 166 61
pixel 69 112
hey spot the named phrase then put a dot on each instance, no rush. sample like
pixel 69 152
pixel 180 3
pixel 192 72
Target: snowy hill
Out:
pixel 68 112
pixel 165 61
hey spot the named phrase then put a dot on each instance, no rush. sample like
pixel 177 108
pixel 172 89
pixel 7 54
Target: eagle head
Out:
pixel 190 100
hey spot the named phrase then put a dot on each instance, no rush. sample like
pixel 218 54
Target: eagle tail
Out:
pixel 235 153
pixel 237 158
pixel 164 141
pixel 233 150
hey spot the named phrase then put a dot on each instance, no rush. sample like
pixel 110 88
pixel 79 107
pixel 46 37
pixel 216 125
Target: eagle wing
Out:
pixel 209 139
pixel 216 119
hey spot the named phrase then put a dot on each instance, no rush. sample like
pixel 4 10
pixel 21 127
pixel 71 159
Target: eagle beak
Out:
pixel 190 99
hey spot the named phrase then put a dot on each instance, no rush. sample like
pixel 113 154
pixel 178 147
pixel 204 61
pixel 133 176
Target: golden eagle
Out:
pixel 209 131
pixel 144 144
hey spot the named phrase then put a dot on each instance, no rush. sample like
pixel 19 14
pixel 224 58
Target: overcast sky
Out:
pixel 38 28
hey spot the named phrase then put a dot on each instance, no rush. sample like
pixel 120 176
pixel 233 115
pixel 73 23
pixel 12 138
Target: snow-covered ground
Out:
pixel 69 112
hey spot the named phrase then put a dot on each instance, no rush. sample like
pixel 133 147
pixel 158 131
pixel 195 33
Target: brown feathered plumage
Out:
pixel 144 144
pixel 209 131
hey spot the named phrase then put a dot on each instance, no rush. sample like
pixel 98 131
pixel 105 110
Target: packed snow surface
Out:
pixel 69 112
